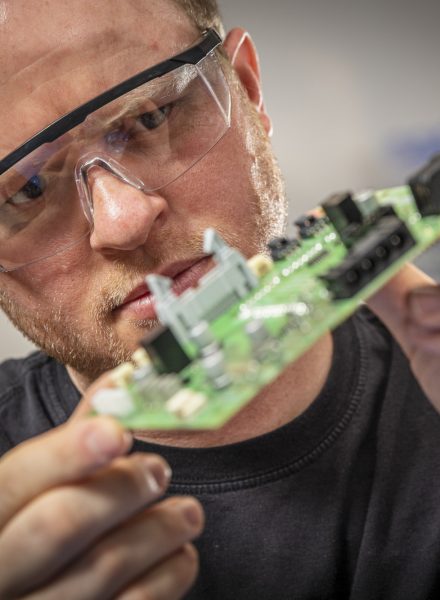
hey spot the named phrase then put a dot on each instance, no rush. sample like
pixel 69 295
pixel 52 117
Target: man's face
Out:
pixel 74 305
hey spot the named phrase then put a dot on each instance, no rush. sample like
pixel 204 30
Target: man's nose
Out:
pixel 123 216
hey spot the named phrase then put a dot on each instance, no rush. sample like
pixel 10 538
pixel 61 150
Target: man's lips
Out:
pixel 185 274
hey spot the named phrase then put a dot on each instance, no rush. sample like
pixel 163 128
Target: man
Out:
pixel 325 485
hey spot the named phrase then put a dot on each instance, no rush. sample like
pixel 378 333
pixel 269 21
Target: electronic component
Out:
pixel 231 281
pixel 308 225
pixel 425 186
pixel 281 247
pixel 353 216
pixel 368 205
pixel 317 258
pixel 202 336
pixel 165 352
pixel 257 332
pixel 122 374
pixel 343 213
pixel 226 339
pixel 116 402
pixel 185 403
pixel 370 256
pixel 260 265
pixel 214 367
pixel 153 389
pixel 141 359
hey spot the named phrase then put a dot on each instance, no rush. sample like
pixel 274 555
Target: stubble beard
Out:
pixel 98 349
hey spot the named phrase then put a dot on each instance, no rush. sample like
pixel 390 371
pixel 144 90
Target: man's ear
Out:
pixel 244 58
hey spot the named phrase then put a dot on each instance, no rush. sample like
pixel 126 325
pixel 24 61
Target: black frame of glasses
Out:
pixel 66 123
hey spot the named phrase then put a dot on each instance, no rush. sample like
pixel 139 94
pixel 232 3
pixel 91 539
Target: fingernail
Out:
pixel 158 474
pixel 106 441
pixel 192 513
pixel 424 301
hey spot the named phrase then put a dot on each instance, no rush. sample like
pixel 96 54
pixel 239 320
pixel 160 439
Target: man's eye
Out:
pixel 33 189
pixel 153 120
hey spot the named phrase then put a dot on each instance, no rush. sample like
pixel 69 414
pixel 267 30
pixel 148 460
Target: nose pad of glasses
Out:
pixel 91 161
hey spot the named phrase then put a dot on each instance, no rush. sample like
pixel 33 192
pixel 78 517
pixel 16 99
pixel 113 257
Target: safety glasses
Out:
pixel 147 131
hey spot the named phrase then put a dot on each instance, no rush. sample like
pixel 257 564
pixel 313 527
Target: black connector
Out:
pixel 371 255
pixel 351 219
pixel 425 186
pixel 309 225
pixel 342 210
pixel 165 352
pixel 281 247
pixel 345 216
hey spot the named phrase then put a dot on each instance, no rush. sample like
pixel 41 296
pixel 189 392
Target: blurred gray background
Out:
pixel 353 91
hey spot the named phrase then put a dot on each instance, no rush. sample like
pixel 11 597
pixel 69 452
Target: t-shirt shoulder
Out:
pixel 14 371
pixel 36 394
pixel 365 316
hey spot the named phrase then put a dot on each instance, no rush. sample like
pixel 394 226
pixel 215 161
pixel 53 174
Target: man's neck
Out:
pixel 278 404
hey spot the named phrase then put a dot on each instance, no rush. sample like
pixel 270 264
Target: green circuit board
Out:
pixel 293 305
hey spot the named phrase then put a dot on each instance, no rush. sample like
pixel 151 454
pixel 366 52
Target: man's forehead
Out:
pixel 66 53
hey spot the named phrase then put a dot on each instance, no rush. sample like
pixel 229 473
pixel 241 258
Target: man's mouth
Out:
pixel 139 304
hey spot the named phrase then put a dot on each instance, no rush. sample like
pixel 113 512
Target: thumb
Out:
pixel 393 303
pixel 424 304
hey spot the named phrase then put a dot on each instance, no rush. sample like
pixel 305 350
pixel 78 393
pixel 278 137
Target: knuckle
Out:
pixel 137 593
pixel 189 512
pixel 108 561
pixel 181 517
pixel 18 460
pixel 54 522
pixel 181 570
pixel 172 522
pixel 168 525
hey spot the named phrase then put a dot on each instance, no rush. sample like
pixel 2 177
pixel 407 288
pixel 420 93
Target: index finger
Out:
pixel 66 454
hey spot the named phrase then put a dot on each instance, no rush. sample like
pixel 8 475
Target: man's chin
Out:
pixel 89 353
pixel 115 347
pixel 128 334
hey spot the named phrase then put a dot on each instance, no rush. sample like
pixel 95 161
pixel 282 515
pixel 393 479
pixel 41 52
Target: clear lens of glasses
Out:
pixel 149 137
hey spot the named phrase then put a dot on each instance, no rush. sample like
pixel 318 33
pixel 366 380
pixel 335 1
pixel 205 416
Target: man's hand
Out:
pixel 77 519
pixel 409 305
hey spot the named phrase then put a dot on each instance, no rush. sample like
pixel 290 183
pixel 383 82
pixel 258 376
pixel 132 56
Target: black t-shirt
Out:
pixel 343 502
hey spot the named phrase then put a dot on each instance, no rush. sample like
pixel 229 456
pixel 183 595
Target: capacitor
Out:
pixel 201 335
pixel 257 331
pixel 214 367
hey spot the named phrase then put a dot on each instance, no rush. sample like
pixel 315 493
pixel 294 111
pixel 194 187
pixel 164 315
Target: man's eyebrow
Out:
pixel 33 162
pixel 168 85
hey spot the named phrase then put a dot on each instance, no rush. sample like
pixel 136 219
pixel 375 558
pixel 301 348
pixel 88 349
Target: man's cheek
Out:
pixel 48 294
